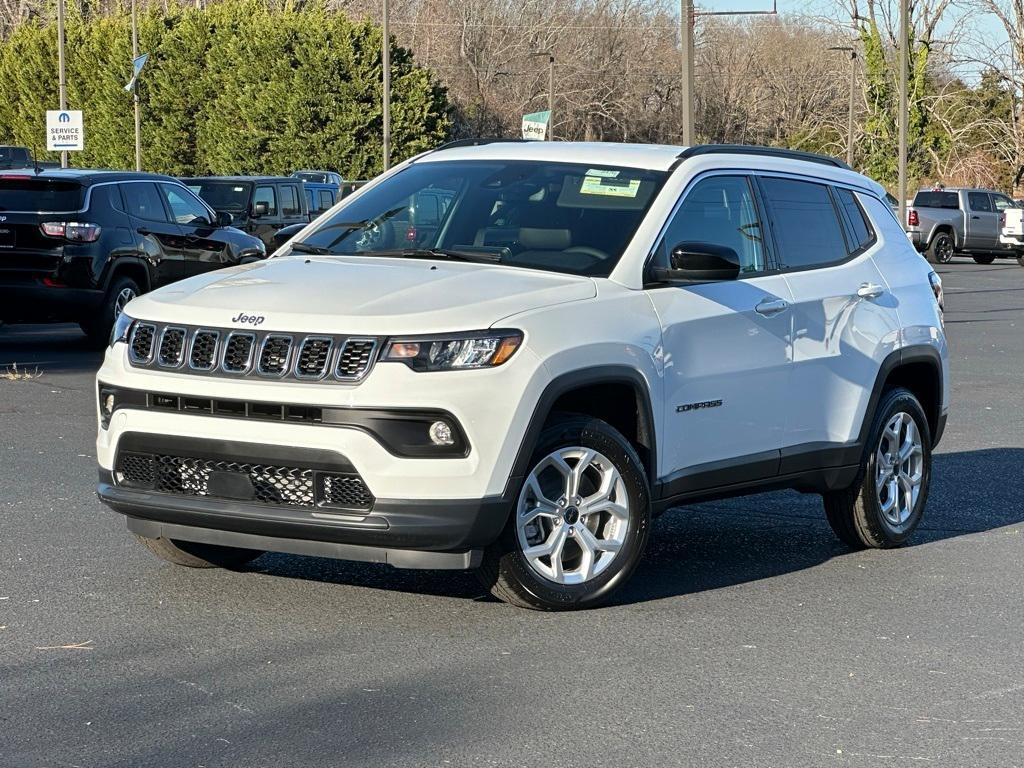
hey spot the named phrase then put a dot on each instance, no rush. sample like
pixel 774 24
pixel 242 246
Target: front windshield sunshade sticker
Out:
pixel 609 174
pixel 597 185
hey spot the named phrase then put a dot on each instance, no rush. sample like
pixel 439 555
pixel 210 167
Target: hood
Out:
pixel 359 295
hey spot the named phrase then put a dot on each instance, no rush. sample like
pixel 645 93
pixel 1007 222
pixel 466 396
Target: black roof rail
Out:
pixel 745 149
pixel 479 142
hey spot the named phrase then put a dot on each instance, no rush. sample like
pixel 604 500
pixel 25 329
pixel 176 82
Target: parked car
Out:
pixel 77 245
pixel 1012 234
pixel 943 223
pixel 319 197
pixel 259 205
pixel 320 177
pixel 12 157
pixel 593 334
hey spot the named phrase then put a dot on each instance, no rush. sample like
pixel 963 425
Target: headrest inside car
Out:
pixel 536 239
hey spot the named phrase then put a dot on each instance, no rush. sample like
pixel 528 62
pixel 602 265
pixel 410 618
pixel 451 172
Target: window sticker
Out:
pixel 597 185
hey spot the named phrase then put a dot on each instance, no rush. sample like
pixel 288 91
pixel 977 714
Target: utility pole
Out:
pixel 135 90
pixel 853 96
pixel 686 20
pixel 551 97
pixel 62 85
pixel 903 59
pixel 686 91
pixel 386 65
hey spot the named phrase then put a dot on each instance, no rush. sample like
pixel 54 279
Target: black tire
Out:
pixel 98 327
pixel 506 572
pixel 192 554
pixel 941 248
pixel 984 258
pixel 855 513
pixel 1020 259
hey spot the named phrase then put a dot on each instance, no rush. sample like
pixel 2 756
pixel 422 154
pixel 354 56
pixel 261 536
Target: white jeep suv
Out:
pixel 509 356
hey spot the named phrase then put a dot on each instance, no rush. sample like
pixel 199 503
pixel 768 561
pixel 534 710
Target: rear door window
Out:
pixel 290 200
pixel 33 195
pixel 144 202
pixel 979 201
pixel 805 223
pixel 858 231
pixel 326 199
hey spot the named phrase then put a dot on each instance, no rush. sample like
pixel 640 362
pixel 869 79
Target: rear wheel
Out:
pixel 1020 259
pixel 941 248
pixel 984 258
pixel 580 524
pixel 192 554
pixel 97 328
pixel 886 501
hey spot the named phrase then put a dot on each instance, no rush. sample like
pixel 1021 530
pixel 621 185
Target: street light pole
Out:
pixel 135 90
pixel 551 97
pixel 62 85
pixel 903 62
pixel 386 65
pixel 853 94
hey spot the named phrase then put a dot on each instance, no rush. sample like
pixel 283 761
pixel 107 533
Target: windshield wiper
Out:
pixel 301 247
pixel 438 253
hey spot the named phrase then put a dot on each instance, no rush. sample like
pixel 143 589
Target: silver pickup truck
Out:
pixel 943 223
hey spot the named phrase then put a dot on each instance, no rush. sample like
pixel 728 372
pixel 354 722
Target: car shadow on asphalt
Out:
pixel 48 349
pixel 725 543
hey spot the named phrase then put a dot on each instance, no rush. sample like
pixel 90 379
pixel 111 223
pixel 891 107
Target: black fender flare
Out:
pixel 914 353
pixel 117 263
pixel 566 382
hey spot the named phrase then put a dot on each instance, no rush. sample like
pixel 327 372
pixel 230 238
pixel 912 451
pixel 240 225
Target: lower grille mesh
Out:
pixel 271 483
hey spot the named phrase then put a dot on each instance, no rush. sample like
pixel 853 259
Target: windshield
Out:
pixel 222 195
pixel 38 194
pixel 576 219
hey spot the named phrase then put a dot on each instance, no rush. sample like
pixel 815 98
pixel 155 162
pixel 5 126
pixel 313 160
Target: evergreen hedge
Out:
pixel 236 87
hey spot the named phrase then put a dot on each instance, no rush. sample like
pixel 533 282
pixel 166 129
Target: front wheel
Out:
pixel 580 524
pixel 941 248
pixel 886 501
pixel 984 258
pixel 1020 259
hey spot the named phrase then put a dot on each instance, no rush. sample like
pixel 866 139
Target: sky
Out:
pixel 978 34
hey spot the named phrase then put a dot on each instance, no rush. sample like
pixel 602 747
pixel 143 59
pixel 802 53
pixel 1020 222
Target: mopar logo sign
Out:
pixel 64 130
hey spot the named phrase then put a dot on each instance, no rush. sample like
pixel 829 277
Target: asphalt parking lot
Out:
pixel 749 636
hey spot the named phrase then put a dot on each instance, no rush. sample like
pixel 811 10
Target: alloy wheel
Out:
pixel 125 295
pixel 572 516
pixel 899 468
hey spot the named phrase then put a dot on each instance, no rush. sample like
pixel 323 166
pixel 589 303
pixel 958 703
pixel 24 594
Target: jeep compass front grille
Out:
pixel 260 483
pixel 266 354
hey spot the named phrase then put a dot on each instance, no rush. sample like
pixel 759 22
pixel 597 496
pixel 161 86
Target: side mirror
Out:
pixel 224 219
pixel 260 209
pixel 696 262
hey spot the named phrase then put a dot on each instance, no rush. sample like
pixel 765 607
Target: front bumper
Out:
pixel 404 533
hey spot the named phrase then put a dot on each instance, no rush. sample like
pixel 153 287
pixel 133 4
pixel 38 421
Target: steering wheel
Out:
pixel 376 236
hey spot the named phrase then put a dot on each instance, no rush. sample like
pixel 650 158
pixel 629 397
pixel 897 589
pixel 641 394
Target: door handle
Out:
pixel 769 307
pixel 870 291
pixel 143 231
pixel 975 217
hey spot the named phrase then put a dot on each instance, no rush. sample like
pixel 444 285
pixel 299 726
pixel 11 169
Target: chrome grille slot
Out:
pixel 314 355
pixel 203 353
pixel 274 355
pixel 238 352
pixel 355 358
pixel 172 347
pixel 321 358
pixel 141 348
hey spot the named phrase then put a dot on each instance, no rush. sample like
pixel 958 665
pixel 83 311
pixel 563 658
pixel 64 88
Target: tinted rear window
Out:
pixel 805 223
pixel 40 195
pixel 937 200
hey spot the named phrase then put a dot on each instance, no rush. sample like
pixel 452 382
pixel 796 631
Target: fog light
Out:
pixel 441 433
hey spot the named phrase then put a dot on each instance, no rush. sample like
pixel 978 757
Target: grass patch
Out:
pixel 12 373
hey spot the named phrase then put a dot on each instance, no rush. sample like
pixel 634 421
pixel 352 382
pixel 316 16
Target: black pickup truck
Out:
pixel 259 205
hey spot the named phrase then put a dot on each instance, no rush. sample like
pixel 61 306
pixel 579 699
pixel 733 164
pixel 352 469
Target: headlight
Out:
pixel 122 325
pixel 483 349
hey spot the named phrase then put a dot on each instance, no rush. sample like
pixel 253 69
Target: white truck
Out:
pixel 1012 235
